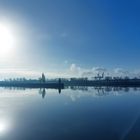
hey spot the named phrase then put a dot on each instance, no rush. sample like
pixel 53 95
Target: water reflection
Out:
pixel 42 92
pixel 106 88
pixel 73 114
pixel 86 91
pixel 3 126
pixel 77 92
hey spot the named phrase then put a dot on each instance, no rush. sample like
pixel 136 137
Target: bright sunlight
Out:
pixel 7 41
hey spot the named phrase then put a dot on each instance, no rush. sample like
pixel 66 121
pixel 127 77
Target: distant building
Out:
pixel 108 78
pixel 43 79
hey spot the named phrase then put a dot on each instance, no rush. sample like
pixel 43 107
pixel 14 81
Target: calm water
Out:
pixel 75 114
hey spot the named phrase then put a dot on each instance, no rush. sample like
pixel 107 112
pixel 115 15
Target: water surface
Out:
pixel 78 113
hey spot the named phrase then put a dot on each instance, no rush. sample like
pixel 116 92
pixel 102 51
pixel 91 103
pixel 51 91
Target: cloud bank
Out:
pixel 77 71
pixel 73 70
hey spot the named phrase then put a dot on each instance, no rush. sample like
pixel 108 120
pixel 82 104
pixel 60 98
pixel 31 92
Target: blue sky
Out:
pixel 54 34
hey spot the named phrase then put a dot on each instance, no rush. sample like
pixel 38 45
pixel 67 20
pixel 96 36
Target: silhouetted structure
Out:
pixel 100 80
pixel 99 77
pixel 42 92
pixel 43 78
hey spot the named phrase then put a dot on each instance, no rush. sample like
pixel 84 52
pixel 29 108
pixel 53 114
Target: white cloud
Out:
pixel 121 71
pixel 88 74
pixel 74 68
pixel 14 73
pixel 73 71
pixel 76 71
pixel 99 69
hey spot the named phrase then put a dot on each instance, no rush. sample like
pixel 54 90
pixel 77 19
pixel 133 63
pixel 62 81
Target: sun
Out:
pixel 7 40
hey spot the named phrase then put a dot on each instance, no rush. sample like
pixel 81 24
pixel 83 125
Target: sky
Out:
pixel 71 37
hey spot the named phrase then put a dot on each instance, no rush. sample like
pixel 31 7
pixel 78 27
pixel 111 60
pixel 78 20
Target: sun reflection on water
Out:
pixel 4 126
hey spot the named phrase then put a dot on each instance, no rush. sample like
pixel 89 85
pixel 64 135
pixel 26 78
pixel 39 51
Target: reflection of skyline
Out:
pixel 27 112
pixel 42 91
pixel 82 91
pixel 105 88
pixel 79 92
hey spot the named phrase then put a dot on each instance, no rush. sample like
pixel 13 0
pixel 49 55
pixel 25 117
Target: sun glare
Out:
pixel 7 41
pixel 3 127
